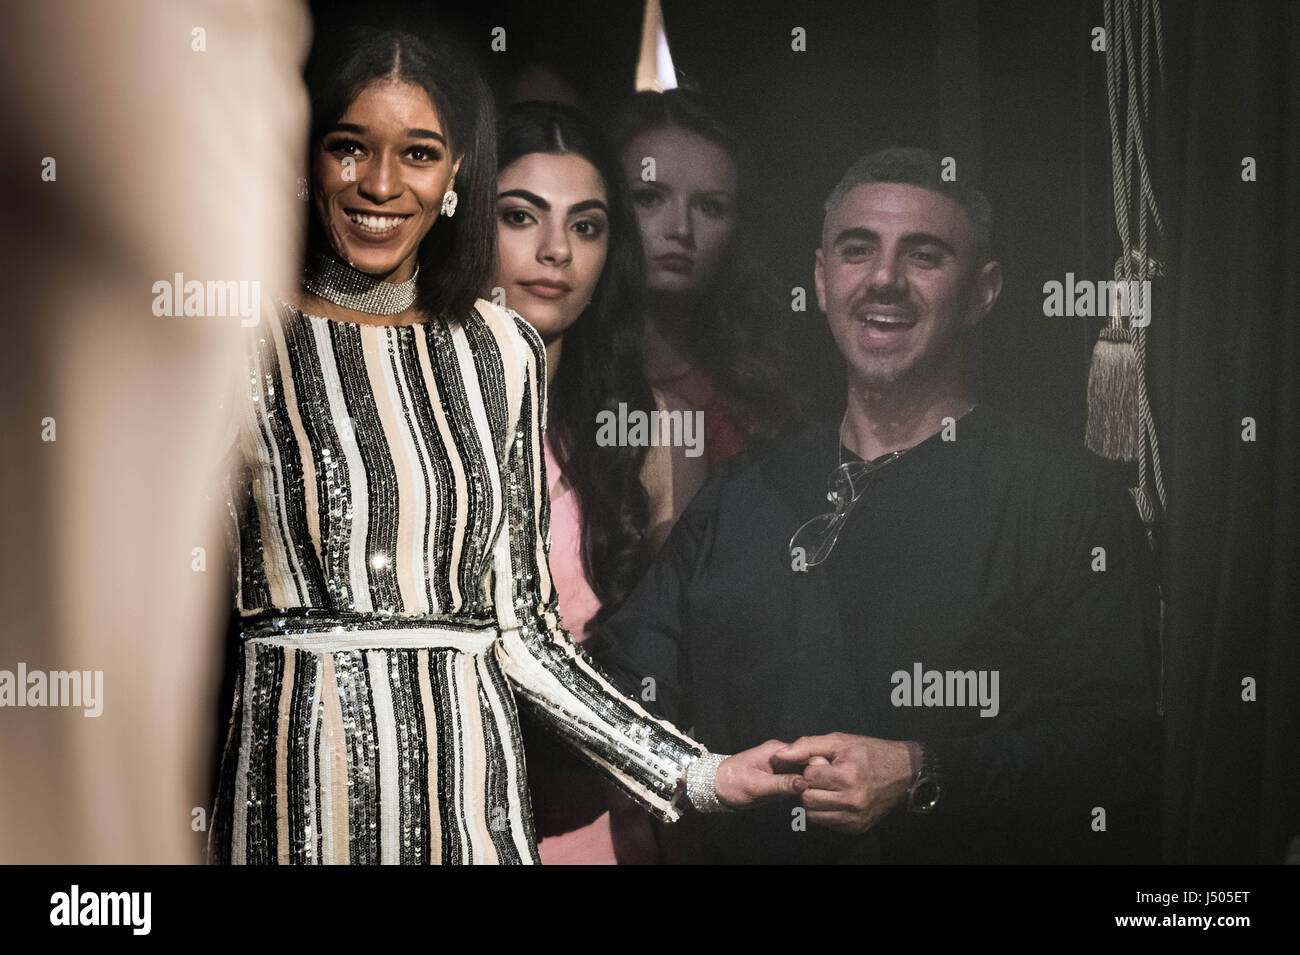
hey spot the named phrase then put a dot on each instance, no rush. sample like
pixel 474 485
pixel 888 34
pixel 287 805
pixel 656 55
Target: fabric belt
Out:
pixel 327 631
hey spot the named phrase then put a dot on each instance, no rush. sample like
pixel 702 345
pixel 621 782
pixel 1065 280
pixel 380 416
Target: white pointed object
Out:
pixel 654 68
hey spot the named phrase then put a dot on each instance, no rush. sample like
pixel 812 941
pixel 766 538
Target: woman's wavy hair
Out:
pixel 739 337
pixel 602 362
pixel 458 256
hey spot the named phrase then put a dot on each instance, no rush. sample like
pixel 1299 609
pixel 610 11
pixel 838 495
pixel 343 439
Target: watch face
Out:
pixel 924 795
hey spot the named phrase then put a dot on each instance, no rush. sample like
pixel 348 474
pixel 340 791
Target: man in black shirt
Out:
pixel 950 612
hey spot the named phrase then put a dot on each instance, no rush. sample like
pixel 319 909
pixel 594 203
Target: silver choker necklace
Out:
pixel 334 281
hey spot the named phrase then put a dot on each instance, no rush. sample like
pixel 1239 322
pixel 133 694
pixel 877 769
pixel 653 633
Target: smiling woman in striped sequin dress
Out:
pixel 390 514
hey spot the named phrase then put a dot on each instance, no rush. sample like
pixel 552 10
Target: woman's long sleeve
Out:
pixel 647 757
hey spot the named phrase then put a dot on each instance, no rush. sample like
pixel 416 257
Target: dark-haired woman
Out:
pixel 391 517
pixel 712 337
pixel 569 261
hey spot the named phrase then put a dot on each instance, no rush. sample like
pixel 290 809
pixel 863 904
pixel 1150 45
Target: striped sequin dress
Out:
pixel 390 521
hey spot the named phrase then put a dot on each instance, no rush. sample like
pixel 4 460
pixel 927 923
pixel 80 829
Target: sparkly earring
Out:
pixel 449 203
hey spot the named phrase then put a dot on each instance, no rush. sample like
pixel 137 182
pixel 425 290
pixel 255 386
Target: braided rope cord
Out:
pixel 1128 68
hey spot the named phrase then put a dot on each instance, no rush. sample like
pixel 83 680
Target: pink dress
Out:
pixel 725 431
pixel 622 833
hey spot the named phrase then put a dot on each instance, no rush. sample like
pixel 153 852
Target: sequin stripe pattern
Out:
pixel 289 446
pixel 396 708
pixel 342 481
pixel 356 353
pixel 403 431
pixel 220 825
pixel 379 756
pixel 421 454
pixel 312 417
pixel 392 520
pixel 475 454
pixel 271 523
pixel 251 586
pixel 646 756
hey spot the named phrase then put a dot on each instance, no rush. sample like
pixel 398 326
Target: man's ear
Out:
pixel 819 280
pixel 985 291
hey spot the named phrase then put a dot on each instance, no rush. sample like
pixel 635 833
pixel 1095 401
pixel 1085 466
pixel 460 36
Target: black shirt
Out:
pixel 1002 551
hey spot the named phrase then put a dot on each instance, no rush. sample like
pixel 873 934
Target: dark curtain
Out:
pixel 1227 348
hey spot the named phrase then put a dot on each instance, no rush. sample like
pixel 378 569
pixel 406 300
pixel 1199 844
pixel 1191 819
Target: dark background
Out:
pixel 1008 88
pixel 1013 91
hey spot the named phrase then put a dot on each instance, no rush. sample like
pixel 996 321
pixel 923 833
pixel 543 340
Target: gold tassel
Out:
pixel 1112 396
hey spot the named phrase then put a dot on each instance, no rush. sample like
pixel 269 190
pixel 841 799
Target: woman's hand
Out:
pixel 853 781
pixel 747 778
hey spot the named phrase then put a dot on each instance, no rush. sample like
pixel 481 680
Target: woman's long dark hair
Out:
pixel 601 366
pixel 738 337
pixel 458 256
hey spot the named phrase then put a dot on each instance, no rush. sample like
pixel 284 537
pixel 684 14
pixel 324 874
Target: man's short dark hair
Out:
pixel 924 168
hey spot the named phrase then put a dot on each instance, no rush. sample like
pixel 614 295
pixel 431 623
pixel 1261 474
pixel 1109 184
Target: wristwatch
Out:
pixel 924 795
